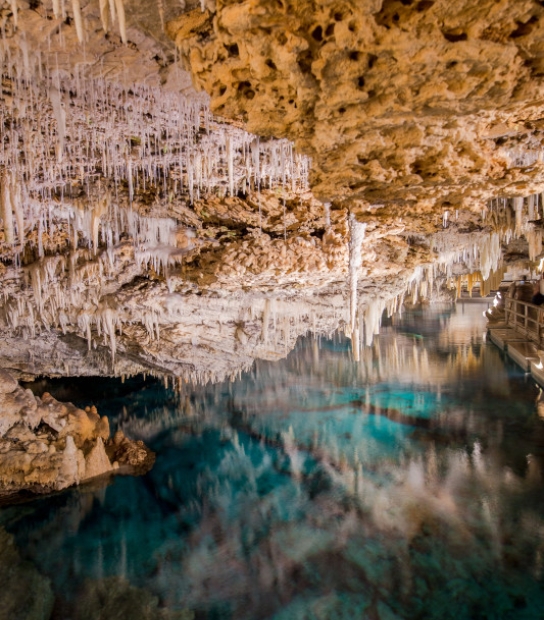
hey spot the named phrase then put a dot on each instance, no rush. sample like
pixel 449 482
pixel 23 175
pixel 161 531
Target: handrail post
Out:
pixel 538 328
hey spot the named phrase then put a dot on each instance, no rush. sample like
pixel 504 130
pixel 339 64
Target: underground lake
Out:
pixel 405 485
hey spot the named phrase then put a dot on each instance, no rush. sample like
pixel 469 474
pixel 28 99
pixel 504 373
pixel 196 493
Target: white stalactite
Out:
pixel 327 208
pixel 6 210
pixel 357 235
pixel 78 20
pixel 15 11
pixel 373 319
pixel 105 15
pixel 230 165
pixel 518 210
pixel 57 12
pixel 113 12
pixel 120 8
pixel 17 206
pixel 60 117
pixel 531 207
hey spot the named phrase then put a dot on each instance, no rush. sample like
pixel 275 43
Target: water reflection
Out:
pixel 407 485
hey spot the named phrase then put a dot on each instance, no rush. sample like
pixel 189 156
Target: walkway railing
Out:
pixel 526 318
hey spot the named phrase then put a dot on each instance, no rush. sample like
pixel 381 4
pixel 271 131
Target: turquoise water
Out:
pixel 407 485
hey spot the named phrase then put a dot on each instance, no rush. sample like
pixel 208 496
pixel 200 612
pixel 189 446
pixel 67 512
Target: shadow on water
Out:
pixel 407 485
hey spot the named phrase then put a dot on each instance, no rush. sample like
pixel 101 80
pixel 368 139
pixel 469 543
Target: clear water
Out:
pixel 408 485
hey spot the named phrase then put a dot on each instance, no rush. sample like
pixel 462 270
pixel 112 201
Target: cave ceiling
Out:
pixel 185 187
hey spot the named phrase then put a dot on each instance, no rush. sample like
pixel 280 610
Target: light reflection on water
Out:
pixel 407 485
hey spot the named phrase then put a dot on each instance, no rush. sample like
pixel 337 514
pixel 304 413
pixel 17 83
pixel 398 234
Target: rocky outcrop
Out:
pixel 124 451
pixel 427 102
pixel 46 445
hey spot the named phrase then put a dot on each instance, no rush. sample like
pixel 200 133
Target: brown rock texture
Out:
pixel 46 445
pixel 427 102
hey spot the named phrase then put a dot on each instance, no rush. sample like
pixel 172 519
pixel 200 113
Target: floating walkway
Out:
pixel 521 335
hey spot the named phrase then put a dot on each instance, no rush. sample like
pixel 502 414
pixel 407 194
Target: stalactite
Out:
pixel 104 15
pixel 230 165
pixel 78 20
pixel 327 209
pixel 357 235
pixel 6 210
pixel 518 210
pixel 120 9
pixel 17 206
pixel 104 151
pixel 113 12
pixel 60 117
pixel 15 12
pixel 160 6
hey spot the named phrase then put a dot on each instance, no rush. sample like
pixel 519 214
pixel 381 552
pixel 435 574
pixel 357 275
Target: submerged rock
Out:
pixel 46 445
pixel 114 597
pixel 25 594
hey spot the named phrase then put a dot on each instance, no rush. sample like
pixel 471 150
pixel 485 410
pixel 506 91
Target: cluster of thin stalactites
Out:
pixel 77 152
pixel 70 138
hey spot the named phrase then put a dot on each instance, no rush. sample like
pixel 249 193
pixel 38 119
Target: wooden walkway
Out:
pixel 521 335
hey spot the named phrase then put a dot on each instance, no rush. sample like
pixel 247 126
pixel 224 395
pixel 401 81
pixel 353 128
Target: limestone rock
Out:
pixel 8 383
pixel 134 454
pixel 97 462
pixel 66 419
pixel 393 100
pixel 15 404
pixel 46 445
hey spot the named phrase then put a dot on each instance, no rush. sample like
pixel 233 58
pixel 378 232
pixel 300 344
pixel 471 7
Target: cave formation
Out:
pixel 188 187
